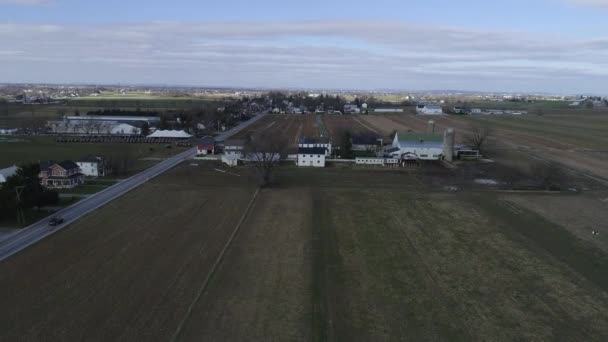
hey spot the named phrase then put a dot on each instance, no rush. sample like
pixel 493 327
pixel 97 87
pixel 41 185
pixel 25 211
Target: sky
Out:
pixel 557 46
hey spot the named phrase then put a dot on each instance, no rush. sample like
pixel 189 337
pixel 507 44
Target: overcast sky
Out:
pixel 534 45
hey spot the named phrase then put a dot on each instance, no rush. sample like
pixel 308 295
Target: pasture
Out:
pixel 334 254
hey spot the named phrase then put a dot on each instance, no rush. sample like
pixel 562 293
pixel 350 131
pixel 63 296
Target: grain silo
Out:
pixel 431 126
pixel 448 144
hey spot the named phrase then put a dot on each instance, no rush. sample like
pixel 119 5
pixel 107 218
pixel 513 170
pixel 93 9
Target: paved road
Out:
pixel 235 130
pixel 39 230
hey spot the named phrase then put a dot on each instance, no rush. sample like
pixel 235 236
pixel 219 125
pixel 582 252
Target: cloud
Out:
pixel 320 54
pixel 25 2
pixel 594 3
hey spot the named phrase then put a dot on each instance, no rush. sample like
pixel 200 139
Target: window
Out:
pixel 423 155
pixel 318 162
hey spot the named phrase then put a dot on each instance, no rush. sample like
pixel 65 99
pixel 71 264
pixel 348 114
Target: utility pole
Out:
pixel 20 214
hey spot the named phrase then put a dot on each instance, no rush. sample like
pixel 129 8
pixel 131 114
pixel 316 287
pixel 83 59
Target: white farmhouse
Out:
pixel 429 110
pixel 420 146
pixel 234 147
pixel 311 156
pixel 92 166
pixel 316 142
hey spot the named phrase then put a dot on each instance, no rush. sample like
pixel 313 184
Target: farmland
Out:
pixel 335 254
pixel 575 139
pixel 31 149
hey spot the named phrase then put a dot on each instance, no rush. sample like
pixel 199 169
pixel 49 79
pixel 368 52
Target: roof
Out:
pixel 113 118
pixel 169 134
pixel 305 140
pixel 66 164
pixel 234 142
pixel 7 172
pixel 206 141
pixel 90 159
pixel 430 106
pixel 312 150
pixel 417 137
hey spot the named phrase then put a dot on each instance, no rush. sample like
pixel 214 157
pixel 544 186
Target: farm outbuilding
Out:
pixel 170 134
pixel 429 110
pixel 205 146
pixel 311 156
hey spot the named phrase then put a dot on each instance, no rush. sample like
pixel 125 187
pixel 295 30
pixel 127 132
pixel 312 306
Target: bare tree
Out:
pixel 265 151
pixel 88 125
pixel 107 128
pixel 478 136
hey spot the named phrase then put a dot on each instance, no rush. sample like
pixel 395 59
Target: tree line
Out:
pixel 23 191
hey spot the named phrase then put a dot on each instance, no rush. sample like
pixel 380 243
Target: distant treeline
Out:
pixel 120 112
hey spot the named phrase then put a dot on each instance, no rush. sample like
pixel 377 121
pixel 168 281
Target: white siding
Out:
pixel 89 169
pixel 312 160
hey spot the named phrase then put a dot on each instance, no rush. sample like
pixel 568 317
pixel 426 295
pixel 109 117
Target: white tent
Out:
pixel 170 134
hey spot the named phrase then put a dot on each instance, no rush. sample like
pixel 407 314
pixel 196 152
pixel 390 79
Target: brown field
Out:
pixel 579 214
pixel 291 128
pixel 127 272
pixel 577 140
pixel 337 254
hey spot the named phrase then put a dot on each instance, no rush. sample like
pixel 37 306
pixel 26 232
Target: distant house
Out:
pixel 420 146
pixel 62 175
pixel 311 156
pixel 458 110
pixel 7 172
pixel 351 109
pixel 234 147
pixel 316 142
pixel 429 109
pixel 92 166
pixel 205 146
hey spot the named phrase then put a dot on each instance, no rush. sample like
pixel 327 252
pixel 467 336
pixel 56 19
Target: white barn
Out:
pixel 429 110
pixel 311 156
pixel 421 146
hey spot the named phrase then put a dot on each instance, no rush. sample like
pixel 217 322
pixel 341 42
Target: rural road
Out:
pixel 234 130
pixel 39 230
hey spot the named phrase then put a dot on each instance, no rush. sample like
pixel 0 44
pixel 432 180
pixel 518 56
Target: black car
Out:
pixel 55 221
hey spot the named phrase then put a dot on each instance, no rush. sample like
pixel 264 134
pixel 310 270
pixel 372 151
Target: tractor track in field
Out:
pixel 214 268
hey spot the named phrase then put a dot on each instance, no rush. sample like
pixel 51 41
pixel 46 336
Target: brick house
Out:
pixel 60 175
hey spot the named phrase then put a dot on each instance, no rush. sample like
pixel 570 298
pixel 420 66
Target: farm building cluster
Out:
pixel 406 148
